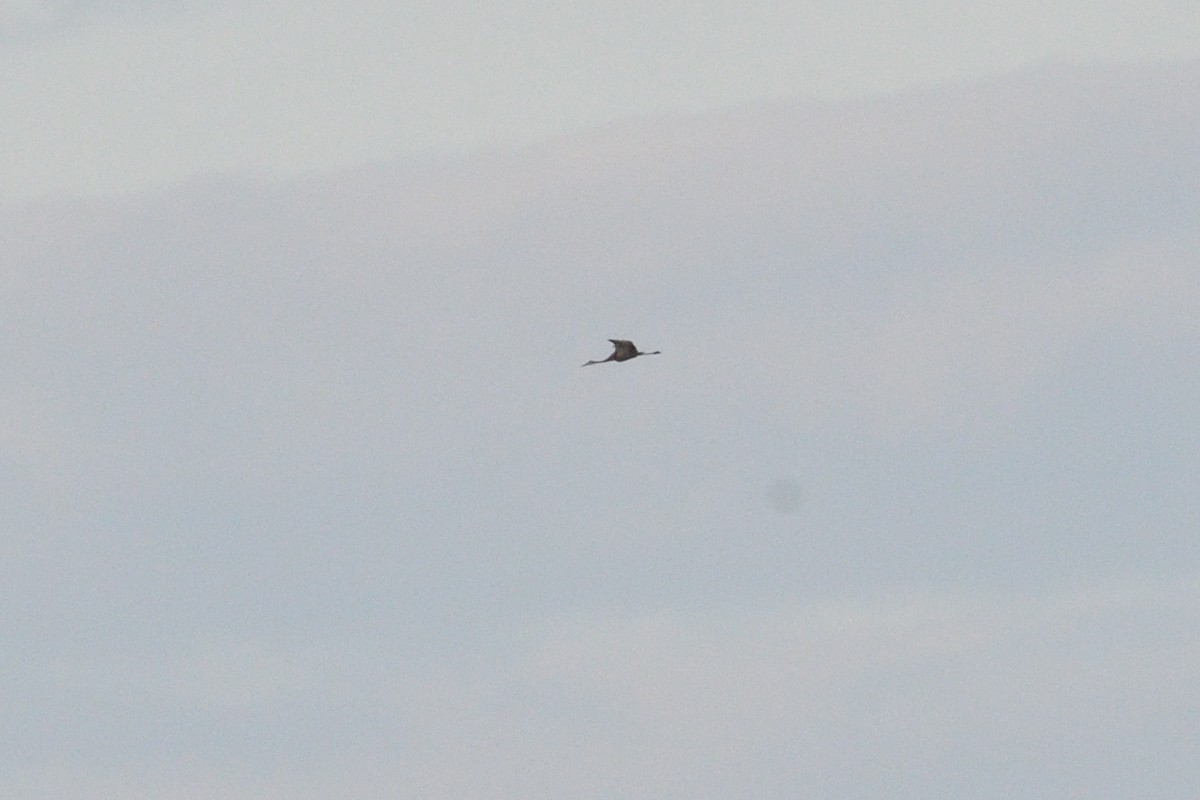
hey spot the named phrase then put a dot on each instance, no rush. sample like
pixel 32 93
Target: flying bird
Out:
pixel 623 350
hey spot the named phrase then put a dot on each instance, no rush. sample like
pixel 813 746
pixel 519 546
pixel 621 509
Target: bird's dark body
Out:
pixel 623 350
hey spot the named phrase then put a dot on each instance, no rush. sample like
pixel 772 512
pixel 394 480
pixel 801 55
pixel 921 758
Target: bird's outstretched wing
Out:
pixel 623 349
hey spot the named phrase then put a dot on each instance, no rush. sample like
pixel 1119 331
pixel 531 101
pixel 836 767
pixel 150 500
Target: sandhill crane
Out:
pixel 623 350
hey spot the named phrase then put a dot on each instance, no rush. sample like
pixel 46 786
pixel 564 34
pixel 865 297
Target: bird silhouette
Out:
pixel 623 350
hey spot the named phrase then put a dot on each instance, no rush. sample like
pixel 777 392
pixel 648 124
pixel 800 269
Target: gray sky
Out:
pixel 114 96
pixel 305 494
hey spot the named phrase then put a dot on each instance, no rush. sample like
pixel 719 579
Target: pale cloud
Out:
pixel 992 334
pixel 811 698
pixel 310 497
pixel 112 99
pixel 955 690
pixel 28 434
pixel 20 17
pixel 723 692
pixel 33 24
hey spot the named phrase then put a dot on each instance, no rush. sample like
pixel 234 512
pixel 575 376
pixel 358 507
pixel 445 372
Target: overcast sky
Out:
pixel 306 495
pixel 123 94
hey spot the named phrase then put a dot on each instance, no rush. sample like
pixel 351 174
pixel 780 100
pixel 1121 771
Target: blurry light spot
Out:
pixel 785 496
